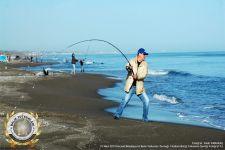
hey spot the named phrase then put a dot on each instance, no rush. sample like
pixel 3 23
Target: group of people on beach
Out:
pixel 74 61
pixel 45 71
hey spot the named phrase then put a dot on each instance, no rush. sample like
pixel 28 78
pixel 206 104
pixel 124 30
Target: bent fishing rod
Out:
pixel 99 41
pixel 104 42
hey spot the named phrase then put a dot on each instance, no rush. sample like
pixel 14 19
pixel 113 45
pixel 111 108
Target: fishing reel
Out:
pixel 129 69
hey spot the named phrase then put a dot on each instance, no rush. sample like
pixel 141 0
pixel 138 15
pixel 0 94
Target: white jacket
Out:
pixel 141 73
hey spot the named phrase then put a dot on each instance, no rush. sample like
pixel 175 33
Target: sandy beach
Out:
pixel 72 115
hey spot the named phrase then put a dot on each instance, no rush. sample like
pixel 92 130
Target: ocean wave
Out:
pixel 181 115
pixel 208 107
pixel 89 62
pixel 168 72
pixel 215 107
pixel 115 78
pixel 158 72
pixel 215 126
pixel 202 119
pixel 212 124
pixel 179 73
pixel 172 100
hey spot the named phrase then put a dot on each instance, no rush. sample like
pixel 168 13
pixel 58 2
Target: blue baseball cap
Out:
pixel 142 51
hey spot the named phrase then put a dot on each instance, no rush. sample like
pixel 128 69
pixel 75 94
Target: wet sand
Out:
pixel 73 117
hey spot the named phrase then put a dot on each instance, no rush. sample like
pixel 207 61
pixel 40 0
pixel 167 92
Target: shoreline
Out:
pixel 107 98
pixel 113 81
pixel 76 117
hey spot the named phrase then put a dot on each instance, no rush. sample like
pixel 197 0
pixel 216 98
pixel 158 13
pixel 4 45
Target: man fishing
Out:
pixel 137 71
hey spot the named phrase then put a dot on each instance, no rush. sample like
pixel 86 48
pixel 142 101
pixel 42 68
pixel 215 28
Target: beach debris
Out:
pixel 2 114
pixel 22 96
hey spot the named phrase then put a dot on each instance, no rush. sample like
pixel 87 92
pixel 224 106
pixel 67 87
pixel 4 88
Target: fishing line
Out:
pixel 104 42
pixel 100 40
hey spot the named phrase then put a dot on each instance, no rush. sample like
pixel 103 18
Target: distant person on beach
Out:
pixel 82 65
pixel 31 59
pixel 9 58
pixel 73 62
pixel 137 71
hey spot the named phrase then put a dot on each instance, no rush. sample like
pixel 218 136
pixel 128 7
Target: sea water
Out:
pixel 186 88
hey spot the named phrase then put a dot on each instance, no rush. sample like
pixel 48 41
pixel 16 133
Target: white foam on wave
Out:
pixel 180 115
pixel 210 123
pixel 89 62
pixel 158 72
pixel 208 107
pixel 115 78
pixel 172 100
pixel 205 121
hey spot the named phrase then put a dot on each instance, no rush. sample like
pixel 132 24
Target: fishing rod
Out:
pixel 104 42
pixel 88 48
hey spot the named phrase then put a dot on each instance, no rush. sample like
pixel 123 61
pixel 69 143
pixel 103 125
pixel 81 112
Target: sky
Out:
pixel 157 25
